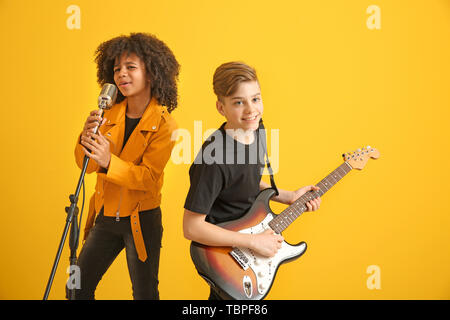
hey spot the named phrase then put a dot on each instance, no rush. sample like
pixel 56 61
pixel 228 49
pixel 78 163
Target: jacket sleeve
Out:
pixel 79 158
pixel 144 175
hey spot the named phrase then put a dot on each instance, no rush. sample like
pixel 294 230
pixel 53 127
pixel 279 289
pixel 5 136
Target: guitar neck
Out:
pixel 285 218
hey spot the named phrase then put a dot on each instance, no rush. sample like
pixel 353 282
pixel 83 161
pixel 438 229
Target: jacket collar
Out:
pixel 150 119
pixel 115 128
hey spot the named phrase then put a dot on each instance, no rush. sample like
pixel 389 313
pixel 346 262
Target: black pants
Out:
pixel 107 239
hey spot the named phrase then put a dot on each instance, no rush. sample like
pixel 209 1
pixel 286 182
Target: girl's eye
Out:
pixel 238 103
pixel 256 99
pixel 129 68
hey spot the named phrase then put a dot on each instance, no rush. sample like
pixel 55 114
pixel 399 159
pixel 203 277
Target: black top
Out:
pixel 225 177
pixel 130 124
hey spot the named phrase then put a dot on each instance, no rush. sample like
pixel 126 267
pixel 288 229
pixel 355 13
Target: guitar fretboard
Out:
pixel 285 218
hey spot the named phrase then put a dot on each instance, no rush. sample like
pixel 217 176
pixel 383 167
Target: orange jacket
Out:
pixel 134 178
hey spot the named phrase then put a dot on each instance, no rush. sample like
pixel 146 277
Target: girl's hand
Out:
pixel 92 121
pixel 99 147
pixel 312 205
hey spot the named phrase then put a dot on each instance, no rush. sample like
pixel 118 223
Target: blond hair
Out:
pixel 228 76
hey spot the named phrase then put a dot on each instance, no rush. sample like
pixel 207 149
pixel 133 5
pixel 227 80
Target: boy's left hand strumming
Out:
pixel 99 147
pixel 312 205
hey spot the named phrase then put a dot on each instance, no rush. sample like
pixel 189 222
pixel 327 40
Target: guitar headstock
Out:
pixel 358 158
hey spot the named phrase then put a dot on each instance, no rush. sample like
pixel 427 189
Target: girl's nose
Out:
pixel 122 72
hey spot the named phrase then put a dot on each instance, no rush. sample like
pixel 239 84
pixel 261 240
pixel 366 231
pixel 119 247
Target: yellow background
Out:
pixel 329 84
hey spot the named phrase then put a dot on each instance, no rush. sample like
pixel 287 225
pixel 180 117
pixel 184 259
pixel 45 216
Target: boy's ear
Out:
pixel 220 107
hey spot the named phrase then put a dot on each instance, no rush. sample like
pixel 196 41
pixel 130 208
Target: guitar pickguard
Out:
pixel 264 268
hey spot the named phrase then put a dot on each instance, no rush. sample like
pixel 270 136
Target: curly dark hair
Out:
pixel 159 60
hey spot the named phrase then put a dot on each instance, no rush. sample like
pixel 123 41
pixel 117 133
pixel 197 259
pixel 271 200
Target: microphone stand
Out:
pixel 106 99
pixel 71 221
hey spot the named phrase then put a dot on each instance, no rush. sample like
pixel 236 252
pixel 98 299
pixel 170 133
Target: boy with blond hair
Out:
pixel 223 186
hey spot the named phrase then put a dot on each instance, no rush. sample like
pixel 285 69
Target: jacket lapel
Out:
pixel 138 140
pixel 114 127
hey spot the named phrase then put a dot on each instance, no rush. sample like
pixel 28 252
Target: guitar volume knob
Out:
pixel 261 286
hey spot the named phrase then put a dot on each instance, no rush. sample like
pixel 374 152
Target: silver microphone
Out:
pixel 106 100
pixel 107 96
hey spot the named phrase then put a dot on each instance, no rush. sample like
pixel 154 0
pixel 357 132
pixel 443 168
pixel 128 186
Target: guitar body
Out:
pixel 240 273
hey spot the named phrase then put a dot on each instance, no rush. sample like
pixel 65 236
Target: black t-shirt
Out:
pixel 130 124
pixel 225 177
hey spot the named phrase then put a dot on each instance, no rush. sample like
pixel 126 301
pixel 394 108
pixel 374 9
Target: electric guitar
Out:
pixel 240 273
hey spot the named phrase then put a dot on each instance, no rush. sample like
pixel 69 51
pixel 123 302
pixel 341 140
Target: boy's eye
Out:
pixel 116 69
pixel 256 99
pixel 238 103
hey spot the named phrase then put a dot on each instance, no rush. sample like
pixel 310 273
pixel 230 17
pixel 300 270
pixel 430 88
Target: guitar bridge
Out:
pixel 240 257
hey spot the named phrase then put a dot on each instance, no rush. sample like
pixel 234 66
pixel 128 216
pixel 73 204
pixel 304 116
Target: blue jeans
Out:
pixel 107 239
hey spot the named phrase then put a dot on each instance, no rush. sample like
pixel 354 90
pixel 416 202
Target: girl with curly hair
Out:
pixel 130 151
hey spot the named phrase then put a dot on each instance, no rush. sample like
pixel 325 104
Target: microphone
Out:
pixel 107 96
pixel 106 99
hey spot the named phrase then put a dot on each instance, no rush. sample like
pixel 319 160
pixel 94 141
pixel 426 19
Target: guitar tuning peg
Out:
pixel 346 156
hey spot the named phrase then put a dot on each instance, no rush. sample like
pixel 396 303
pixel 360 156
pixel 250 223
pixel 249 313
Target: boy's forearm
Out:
pixel 284 196
pixel 211 235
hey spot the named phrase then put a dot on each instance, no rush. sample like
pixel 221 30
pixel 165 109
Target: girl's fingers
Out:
pixel 95 114
pixel 93 121
pixel 94 118
pixel 92 124
pixel 101 139
pixel 89 143
pixel 90 127
pixel 90 155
